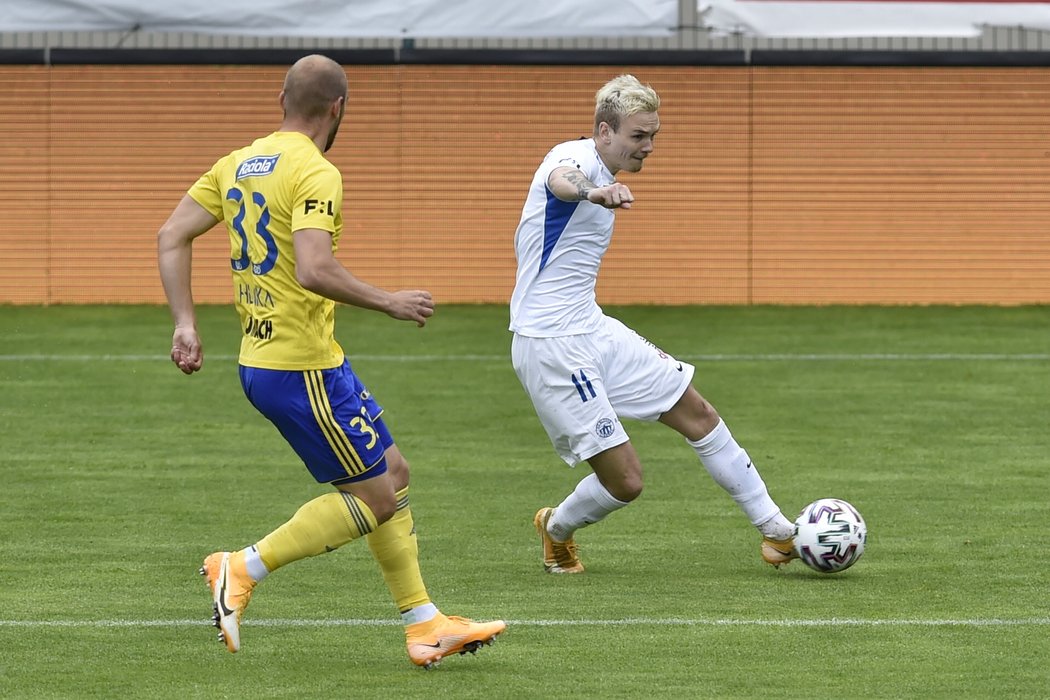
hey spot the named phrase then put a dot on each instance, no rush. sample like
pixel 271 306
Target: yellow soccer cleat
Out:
pixel 558 557
pixel 231 589
pixel 430 641
pixel 778 552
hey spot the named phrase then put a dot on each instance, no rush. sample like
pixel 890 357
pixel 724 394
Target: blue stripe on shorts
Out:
pixel 328 417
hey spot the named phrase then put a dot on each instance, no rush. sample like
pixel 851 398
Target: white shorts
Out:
pixel 581 385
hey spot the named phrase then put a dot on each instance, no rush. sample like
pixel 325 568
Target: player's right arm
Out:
pixel 175 260
pixel 569 184
pixel 317 269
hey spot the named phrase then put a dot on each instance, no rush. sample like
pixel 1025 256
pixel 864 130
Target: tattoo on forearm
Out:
pixel 582 184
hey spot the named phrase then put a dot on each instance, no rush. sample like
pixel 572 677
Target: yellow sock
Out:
pixel 321 525
pixel 393 545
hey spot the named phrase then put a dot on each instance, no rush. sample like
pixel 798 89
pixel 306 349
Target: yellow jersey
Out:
pixel 280 184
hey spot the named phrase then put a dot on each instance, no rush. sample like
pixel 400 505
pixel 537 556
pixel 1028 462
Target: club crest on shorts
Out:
pixel 604 428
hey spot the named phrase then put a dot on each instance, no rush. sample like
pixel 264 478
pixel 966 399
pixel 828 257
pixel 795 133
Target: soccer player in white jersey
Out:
pixel 583 370
pixel 282 201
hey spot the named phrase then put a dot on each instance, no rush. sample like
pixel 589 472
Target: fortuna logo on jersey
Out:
pixel 257 166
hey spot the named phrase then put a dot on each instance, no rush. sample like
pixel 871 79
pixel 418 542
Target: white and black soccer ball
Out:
pixel 830 535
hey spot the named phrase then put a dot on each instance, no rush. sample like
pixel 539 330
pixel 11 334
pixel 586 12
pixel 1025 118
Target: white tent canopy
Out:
pixel 846 18
pixel 350 18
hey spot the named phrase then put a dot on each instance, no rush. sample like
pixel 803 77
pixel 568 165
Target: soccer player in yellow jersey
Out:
pixel 281 201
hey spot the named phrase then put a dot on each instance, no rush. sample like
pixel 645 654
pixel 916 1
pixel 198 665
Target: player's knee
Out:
pixel 627 488
pixel 380 501
pixel 632 490
pixel 397 467
pixel 693 416
pixel 708 416
pixel 383 509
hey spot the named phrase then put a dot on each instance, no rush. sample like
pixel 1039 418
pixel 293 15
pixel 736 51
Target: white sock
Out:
pixel 777 528
pixel 586 505
pixel 254 563
pixel 420 613
pixel 732 469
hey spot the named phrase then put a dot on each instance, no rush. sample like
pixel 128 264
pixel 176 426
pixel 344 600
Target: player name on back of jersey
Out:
pixel 259 328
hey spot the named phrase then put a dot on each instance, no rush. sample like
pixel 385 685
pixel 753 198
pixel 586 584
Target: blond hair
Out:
pixel 621 97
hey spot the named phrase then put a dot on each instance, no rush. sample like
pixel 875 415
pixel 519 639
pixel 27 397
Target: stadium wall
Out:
pixel 770 184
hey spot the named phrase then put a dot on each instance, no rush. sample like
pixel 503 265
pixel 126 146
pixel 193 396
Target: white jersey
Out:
pixel 559 247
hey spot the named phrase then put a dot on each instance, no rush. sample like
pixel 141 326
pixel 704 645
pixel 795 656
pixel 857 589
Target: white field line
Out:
pixel 624 622
pixel 773 357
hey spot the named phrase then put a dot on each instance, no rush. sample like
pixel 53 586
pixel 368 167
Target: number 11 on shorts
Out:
pixel 583 386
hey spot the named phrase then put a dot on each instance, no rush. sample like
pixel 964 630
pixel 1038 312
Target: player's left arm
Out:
pixel 175 260
pixel 316 222
pixel 317 269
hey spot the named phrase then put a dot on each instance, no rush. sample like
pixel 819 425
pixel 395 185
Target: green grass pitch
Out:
pixel 119 474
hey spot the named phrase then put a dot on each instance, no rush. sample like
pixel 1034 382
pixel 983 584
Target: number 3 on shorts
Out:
pixel 362 425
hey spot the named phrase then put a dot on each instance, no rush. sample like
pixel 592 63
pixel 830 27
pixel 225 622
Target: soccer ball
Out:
pixel 830 535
